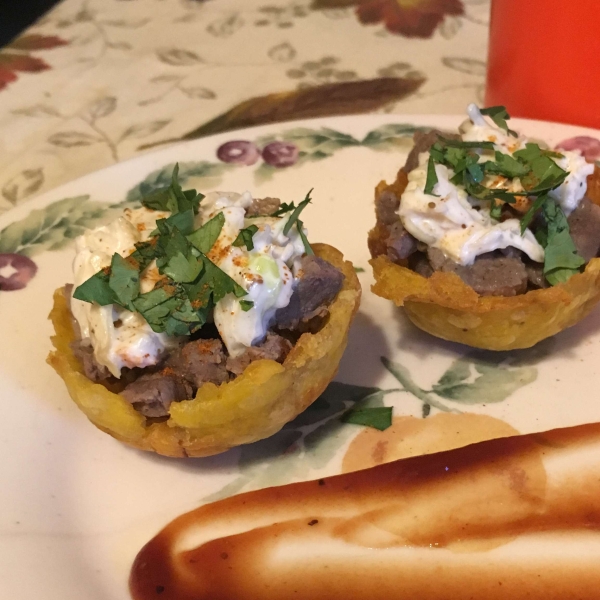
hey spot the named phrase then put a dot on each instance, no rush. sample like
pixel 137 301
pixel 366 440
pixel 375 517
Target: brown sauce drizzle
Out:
pixel 428 527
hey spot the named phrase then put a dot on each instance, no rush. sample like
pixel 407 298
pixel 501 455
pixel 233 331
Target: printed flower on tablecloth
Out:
pixel 410 18
pixel 16 58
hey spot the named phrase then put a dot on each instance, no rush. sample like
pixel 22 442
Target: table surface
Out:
pixel 95 82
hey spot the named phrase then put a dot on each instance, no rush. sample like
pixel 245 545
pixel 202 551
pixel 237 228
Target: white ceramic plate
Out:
pixel 77 505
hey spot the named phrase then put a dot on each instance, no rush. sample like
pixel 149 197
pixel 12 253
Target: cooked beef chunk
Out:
pixel 535 274
pixel 84 352
pixel 200 361
pixel 318 284
pixel 584 225
pixel 263 207
pixel 491 274
pixel 386 205
pixel 389 236
pixel 400 244
pixel 419 264
pixel 153 393
pixel 274 348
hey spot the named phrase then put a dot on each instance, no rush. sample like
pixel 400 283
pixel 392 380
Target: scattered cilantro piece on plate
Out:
pixel 379 417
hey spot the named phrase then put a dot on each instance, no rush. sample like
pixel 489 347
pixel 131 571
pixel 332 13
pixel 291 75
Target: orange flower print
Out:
pixel 410 18
pixel 16 58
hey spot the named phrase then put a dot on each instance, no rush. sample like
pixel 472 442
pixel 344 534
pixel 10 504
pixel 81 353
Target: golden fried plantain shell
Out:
pixel 444 306
pixel 253 406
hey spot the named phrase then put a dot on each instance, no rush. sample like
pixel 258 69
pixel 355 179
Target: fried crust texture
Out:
pixel 444 306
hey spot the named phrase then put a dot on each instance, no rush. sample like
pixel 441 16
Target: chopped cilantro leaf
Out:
pixel 96 289
pixel 307 249
pixel 284 208
pixel 183 269
pixel 244 237
pixel 124 279
pixel 155 306
pixel 246 305
pixel 220 282
pixel 506 165
pixel 496 210
pixel 476 172
pixel 173 198
pixel 561 260
pixel 438 153
pixel 294 216
pixel 379 417
pixel 144 253
pixel 533 209
pixel 499 115
pixel 432 177
pixel 205 237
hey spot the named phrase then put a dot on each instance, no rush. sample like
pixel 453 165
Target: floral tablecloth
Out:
pixel 98 81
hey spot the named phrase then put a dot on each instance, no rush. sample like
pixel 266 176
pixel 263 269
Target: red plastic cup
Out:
pixel 544 60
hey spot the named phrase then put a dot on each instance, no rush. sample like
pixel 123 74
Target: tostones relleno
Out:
pixel 252 406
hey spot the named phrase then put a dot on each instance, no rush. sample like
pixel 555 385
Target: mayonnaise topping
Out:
pixel 266 272
pixel 121 338
pixel 451 222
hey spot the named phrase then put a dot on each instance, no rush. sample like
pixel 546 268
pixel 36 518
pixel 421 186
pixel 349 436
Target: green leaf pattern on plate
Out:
pixel 318 144
pixel 55 226
pixel 480 378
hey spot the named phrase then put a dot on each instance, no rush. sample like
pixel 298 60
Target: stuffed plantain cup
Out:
pixel 213 323
pixel 488 239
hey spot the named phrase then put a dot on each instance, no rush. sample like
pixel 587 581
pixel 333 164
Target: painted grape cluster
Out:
pixel 276 154
pixel 15 271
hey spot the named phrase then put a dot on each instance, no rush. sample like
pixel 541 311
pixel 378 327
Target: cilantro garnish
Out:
pixel 284 208
pixel 244 237
pixel 294 216
pixel 496 210
pixel 379 417
pixel 124 279
pixel 190 284
pixel 561 259
pixel 307 248
pixel 246 305
pixel 173 198
pixel 204 238
pixel 533 209
pixel 432 177
pixel 538 174
pixel 96 289
pixel 499 115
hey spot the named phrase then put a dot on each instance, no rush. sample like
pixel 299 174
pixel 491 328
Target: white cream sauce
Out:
pixel 266 272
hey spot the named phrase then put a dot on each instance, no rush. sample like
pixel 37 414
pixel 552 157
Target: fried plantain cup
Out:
pixel 444 306
pixel 253 406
